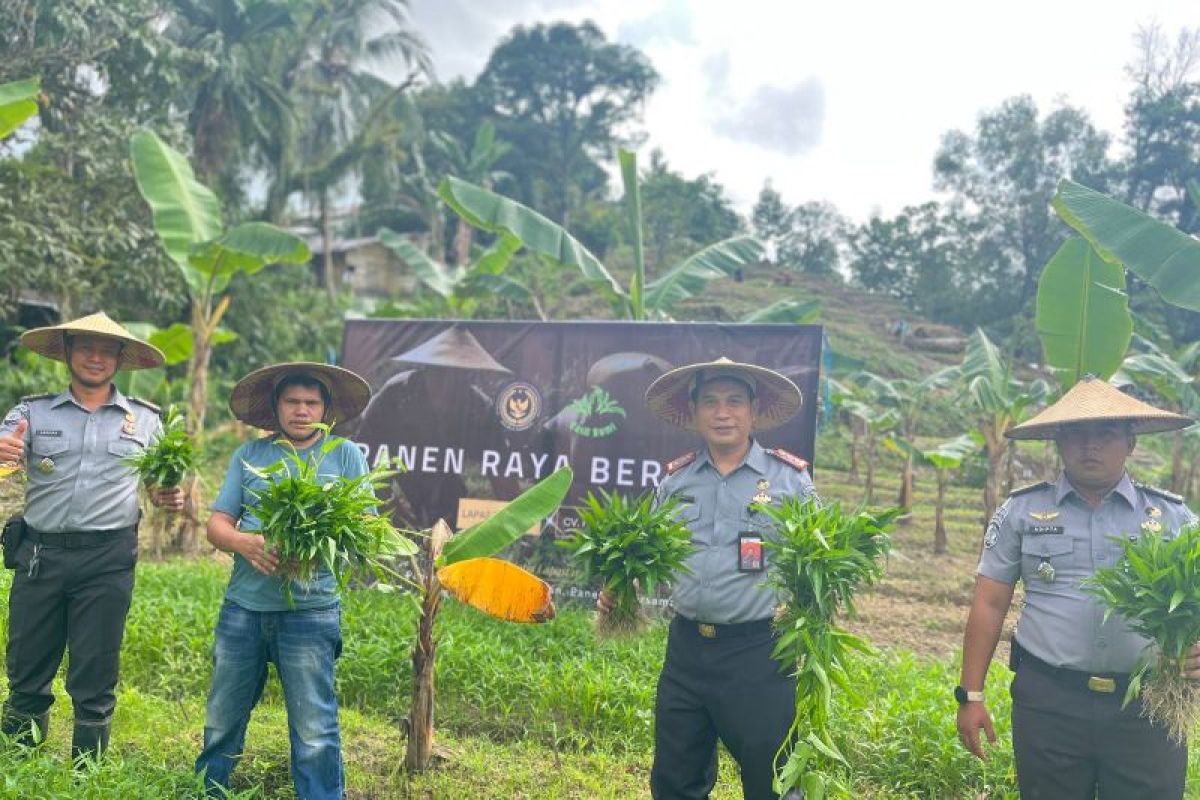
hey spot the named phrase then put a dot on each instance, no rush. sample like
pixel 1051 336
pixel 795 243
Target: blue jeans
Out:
pixel 303 645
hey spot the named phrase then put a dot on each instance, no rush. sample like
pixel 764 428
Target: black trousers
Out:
pixel 1074 744
pixel 76 598
pixel 720 688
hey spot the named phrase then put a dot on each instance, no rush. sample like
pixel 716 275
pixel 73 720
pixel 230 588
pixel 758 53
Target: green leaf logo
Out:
pixel 595 410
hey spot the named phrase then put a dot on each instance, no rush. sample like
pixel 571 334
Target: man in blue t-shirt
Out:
pixel 257 623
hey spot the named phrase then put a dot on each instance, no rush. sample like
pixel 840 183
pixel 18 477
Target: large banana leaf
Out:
pixel 434 275
pixel 718 260
pixel 633 212
pixel 178 341
pixel 796 312
pixel 508 524
pixel 497 214
pixel 247 248
pixel 17 104
pixel 185 212
pixel 1082 313
pixel 947 455
pixel 1160 254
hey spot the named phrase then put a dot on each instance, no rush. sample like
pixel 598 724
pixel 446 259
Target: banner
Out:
pixel 479 411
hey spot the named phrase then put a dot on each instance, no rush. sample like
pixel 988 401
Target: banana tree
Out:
pixel 1082 313
pixel 187 218
pixel 999 401
pixel 944 459
pixel 908 398
pixel 1160 254
pixel 875 421
pixel 463 565
pixel 1169 376
pixel 18 102
pixel 642 299
pixel 476 165
pixel 461 288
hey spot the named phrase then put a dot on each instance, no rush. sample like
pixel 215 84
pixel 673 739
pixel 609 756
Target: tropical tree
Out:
pixel 187 219
pixel 999 401
pixel 875 421
pixel 1170 376
pixel 463 564
pixel 944 459
pixel 641 299
pixel 476 165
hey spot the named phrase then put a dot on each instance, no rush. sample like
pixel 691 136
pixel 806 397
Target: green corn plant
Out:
pixel 1155 588
pixel 819 557
pixel 625 543
pixel 312 524
pixel 170 459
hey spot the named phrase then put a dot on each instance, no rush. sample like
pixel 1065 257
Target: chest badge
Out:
pixel 1045 571
pixel 129 427
pixel 1153 513
pixel 1151 526
pixel 46 466
pixel 761 496
pixel 1044 516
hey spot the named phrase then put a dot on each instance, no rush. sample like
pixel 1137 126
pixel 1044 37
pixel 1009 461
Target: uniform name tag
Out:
pixel 47 433
pixel 1045 530
pixel 750 552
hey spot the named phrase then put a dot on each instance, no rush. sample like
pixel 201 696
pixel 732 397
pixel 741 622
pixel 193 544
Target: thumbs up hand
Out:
pixel 12 446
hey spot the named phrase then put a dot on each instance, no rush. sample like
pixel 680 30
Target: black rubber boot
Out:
pixel 24 729
pixel 88 742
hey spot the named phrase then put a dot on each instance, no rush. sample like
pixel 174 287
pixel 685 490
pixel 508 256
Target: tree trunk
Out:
pixel 327 247
pixel 939 525
pixel 869 496
pixel 419 753
pixel 1177 482
pixel 905 498
pixel 463 236
pixel 187 536
pixel 855 442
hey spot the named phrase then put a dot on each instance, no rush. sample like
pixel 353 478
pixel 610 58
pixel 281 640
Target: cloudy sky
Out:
pixel 844 102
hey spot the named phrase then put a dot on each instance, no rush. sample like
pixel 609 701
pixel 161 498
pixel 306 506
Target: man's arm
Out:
pixel 224 535
pixel 989 606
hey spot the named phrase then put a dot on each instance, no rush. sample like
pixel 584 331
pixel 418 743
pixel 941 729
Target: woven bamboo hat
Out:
pixel 777 398
pixel 51 341
pixel 253 398
pixel 454 347
pixel 1094 400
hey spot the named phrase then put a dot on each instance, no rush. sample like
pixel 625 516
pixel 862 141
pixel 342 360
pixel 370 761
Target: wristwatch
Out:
pixel 963 696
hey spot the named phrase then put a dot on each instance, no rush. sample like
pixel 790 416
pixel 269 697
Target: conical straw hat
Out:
pixel 777 399
pixel 1094 400
pixel 253 398
pixel 51 341
pixel 454 347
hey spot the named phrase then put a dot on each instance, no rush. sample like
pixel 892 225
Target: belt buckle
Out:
pixel 1102 685
pixel 706 630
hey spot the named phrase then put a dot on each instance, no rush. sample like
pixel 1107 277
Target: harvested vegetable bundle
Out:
pixel 168 461
pixel 1156 589
pixel 311 524
pixel 819 558
pixel 625 543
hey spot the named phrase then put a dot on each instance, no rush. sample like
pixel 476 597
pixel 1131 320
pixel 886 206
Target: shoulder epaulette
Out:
pixel 31 397
pixel 681 462
pixel 1033 487
pixel 146 403
pixel 791 459
pixel 1157 492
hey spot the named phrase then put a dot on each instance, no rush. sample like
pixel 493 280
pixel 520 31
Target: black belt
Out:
pixel 1099 682
pixel 73 539
pixel 709 630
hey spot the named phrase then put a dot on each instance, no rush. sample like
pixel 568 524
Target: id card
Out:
pixel 750 552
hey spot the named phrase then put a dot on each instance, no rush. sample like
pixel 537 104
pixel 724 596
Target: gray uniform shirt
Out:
pixel 716 508
pixel 77 481
pixel 1053 525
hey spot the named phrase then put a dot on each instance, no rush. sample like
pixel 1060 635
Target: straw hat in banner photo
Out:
pixel 1095 400
pixel 51 341
pixel 253 398
pixel 777 399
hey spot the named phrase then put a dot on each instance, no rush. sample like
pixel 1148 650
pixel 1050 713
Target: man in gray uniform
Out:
pixel 1071 738
pixel 74 565
pixel 718 680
